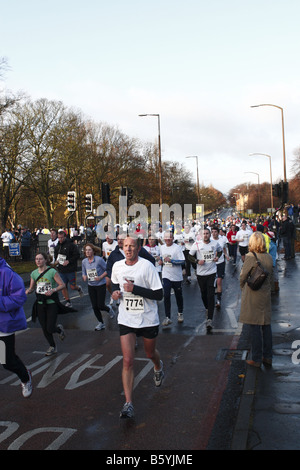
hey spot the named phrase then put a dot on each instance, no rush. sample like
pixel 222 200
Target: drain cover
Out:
pixel 232 354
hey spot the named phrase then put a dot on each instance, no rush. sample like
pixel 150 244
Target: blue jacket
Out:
pixel 12 298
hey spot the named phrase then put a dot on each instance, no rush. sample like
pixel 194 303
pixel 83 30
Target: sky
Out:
pixel 199 64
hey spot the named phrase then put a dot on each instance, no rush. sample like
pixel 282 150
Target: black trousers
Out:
pixel 207 288
pixel 97 296
pixel 13 362
pixel 47 317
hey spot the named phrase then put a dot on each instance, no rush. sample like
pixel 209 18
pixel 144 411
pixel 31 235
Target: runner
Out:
pixel 136 284
pixel 46 281
pixel 12 319
pixel 66 256
pixel 172 260
pixel 108 246
pixel 189 239
pixel 231 236
pixel 205 253
pixel 222 241
pixel 154 249
pixel 242 238
pixel 94 272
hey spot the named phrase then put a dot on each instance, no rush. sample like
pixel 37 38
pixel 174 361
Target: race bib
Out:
pixel 167 263
pixel 61 259
pixel 208 255
pixel 43 287
pixel 91 274
pixel 133 303
pixel 233 237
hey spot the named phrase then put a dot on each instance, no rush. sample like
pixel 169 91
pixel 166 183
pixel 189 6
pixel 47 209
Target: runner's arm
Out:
pixel 148 293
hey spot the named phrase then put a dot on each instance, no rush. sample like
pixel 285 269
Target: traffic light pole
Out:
pixel 68 224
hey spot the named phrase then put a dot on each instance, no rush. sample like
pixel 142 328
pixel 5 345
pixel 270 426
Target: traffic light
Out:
pixel 284 191
pixel 71 201
pixel 129 194
pixel 105 191
pixel 276 190
pixel 88 203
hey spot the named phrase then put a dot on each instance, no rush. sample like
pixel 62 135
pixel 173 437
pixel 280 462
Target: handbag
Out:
pixel 257 276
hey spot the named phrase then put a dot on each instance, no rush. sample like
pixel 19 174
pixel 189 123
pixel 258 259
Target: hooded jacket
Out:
pixel 12 298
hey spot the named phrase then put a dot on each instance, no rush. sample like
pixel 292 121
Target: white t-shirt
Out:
pixel 170 271
pixel 155 252
pixel 6 238
pixel 189 239
pixel 51 247
pixel 107 248
pixel 136 311
pixel 207 252
pixel 222 241
pixel 179 239
pixel 243 237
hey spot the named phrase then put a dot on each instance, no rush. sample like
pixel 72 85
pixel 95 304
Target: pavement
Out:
pixel 269 411
pixel 227 405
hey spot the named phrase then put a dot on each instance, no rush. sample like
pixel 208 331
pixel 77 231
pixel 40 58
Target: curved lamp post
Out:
pixel 283 139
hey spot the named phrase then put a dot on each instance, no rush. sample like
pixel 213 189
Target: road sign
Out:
pixel 14 249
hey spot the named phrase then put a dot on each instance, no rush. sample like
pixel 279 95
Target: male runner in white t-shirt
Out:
pixel 136 283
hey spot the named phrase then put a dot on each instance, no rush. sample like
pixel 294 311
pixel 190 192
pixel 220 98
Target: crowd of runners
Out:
pixel 137 271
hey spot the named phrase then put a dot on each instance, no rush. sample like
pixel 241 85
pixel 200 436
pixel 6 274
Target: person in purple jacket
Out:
pixel 12 319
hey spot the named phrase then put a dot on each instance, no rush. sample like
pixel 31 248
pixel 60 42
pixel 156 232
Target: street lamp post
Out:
pixel 159 160
pixel 258 188
pixel 283 138
pixel 269 156
pixel 198 187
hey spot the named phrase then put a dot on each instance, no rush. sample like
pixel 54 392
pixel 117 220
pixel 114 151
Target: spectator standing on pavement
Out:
pixel 7 238
pixel 286 232
pixel 12 319
pixel 66 256
pixel 172 260
pixel 46 281
pixel 256 305
pixel 94 272
pixel 137 285
pixel 25 240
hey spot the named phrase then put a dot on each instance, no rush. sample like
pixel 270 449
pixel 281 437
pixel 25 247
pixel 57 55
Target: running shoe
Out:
pixel 218 304
pixel 80 290
pixel 62 334
pixel 68 304
pixel 167 321
pixel 127 411
pixel 159 375
pixel 180 317
pixel 52 350
pixel 100 326
pixel 208 325
pixel 27 387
